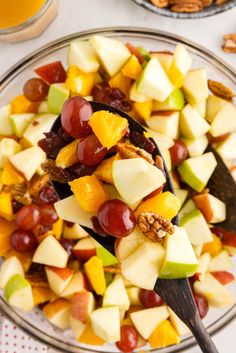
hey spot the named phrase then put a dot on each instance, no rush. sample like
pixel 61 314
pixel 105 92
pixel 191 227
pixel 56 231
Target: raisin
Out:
pixel 78 170
pixel 141 141
pixel 55 173
pixel 63 134
pixel 52 144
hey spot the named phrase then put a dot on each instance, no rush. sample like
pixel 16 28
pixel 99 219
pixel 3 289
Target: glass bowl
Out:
pixel 11 84
pixel 206 12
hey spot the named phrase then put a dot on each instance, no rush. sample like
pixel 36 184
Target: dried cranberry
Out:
pixel 141 141
pixel 48 195
pixel 78 170
pixel 63 134
pixel 52 144
pixel 112 96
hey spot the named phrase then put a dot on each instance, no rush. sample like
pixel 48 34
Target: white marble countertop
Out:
pixel 76 15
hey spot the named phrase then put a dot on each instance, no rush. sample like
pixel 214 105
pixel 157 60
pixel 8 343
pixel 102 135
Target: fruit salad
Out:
pixel 117 184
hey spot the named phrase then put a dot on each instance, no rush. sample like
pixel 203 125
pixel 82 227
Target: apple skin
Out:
pixel 107 258
pixel 82 304
pixel 57 95
pixel 78 283
pixel 20 122
pixel 9 268
pixel 58 312
pixel 175 101
pixel 213 209
pixel 223 277
pixel 58 278
pixel 18 293
pixel 85 249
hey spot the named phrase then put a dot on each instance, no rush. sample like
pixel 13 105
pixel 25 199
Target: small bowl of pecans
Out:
pixel 187 9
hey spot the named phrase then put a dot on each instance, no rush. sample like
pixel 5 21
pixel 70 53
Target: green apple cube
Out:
pixel 82 55
pixel 196 227
pixel 192 124
pixel 112 53
pixel 188 207
pixel 196 171
pixel 135 178
pixel 20 122
pixel 137 97
pixel 175 101
pixel 18 292
pixel 8 147
pixel 182 194
pixel 28 161
pixel 9 268
pixel 154 82
pixel 200 107
pixel 107 258
pixel 226 148
pixel 197 146
pixel 180 259
pixel 161 140
pixel 181 64
pixel 195 86
pixel 214 105
pixel 116 295
pixel 165 124
pixel 5 125
pixel 216 294
pixel 57 95
pixel 225 120
pixel 106 323
pixel 36 129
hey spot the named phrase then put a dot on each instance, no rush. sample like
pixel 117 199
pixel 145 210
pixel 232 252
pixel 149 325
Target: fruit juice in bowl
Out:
pixel 53 258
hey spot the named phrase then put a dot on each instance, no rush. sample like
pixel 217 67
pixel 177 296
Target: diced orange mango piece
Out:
pixel 104 170
pixel 165 204
pixel 164 335
pixel 120 81
pixel 6 228
pixel 88 337
pixel 108 127
pixel 214 247
pixel 25 259
pixel 95 273
pixel 67 155
pixel 10 175
pixel 20 104
pixel 132 68
pixel 79 82
pixel 57 228
pixel 41 295
pixel 89 192
pixel 6 209
pixel 143 110
pixel 56 306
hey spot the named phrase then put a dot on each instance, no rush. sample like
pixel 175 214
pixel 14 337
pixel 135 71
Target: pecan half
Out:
pixel 186 5
pixel 154 226
pixel 130 151
pixel 20 194
pixel 159 162
pixel 55 173
pixel 37 184
pixel 220 2
pixel 160 3
pixel 229 45
pixel 220 90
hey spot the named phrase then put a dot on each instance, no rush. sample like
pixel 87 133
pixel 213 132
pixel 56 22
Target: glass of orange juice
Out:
pixel 25 19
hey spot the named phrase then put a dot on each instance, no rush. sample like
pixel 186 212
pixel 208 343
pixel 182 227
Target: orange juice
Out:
pixel 15 12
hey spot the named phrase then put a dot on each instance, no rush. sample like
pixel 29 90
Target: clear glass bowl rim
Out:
pixel 52 47
pixel 206 12
pixel 28 22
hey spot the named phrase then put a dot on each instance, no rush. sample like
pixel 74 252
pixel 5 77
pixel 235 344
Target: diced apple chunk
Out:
pixel 166 124
pixel 178 324
pixel 221 262
pixel 82 55
pixel 197 146
pixel 9 268
pixel 195 85
pixel 212 208
pixel 116 295
pixel 106 323
pixel 226 148
pixel 203 264
pixel 225 120
pixel 192 124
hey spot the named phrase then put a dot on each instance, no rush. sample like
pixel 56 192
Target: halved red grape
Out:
pixel 23 241
pixel 75 115
pixel 116 218
pixel 202 304
pixel 48 214
pixel 52 73
pixel 128 339
pixel 28 217
pixel 48 195
pixel 35 89
pixel 98 228
pixel 149 298
pixel 178 152
pixel 90 151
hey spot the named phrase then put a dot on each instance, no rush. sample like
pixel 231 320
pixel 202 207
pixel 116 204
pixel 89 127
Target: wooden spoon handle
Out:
pixel 203 339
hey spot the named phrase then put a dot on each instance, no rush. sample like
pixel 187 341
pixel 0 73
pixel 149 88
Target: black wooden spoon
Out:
pixel 176 293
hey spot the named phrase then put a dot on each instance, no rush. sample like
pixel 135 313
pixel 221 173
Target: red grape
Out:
pixel 98 228
pixel 28 217
pixel 116 218
pixel 178 153
pixel 23 241
pixel 52 73
pixel 48 195
pixel 128 339
pixel 90 152
pixel 48 214
pixel 202 304
pixel 149 298
pixel 35 89
pixel 75 115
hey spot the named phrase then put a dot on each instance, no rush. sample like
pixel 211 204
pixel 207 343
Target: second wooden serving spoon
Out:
pixel 177 292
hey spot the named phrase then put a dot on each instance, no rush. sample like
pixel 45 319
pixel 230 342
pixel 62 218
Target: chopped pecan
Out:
pixel 220 2
pixel 55 173
pixel 37 183
pixel 159 162
pixel 20 194
pixel 160 3
pixel 186 5
pixel 220 90
pixel 154 226
pixel 229 45
pixel 112 269
pixel 207 3
pixel 130 151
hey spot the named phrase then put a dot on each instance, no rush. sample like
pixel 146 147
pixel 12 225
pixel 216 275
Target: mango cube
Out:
pixel 95 273
pixel 89 337
pixel 164 335
pixel 132 68
pixel 6 209
pixel 214 247
pixel 120 81
pixel 10 175
pixel 20 104
pixel 67 155
pixel 143 110
pixel 104 170
pixel 79 82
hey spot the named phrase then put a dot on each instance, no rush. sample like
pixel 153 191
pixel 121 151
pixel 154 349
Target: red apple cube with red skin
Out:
pixel 52 73
pixel 82 304
pixel 224 277
pixel 84 249
pixel 58 278
pixel 78 283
